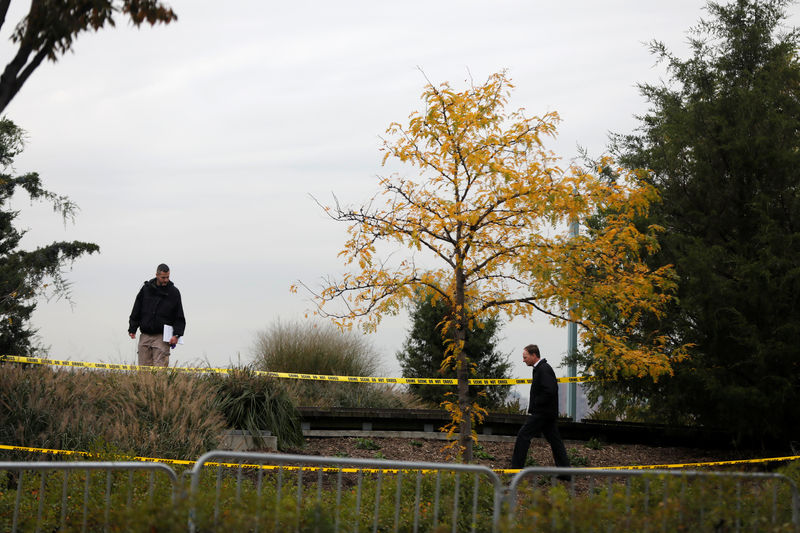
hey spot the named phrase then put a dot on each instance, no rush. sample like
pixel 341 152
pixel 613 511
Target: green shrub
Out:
pixel 791 470
pixel 67 503
pixel 367 444
pixel 512 407
pixel 651 502
pixel 576 458
pixel 531 461
pixel 326 394
pixel 594 444
pixel 480 453
pixel 245 499
pixel 255 403
pixel 284 504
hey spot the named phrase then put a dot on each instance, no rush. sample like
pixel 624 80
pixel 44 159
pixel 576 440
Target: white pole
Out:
pixel 572 350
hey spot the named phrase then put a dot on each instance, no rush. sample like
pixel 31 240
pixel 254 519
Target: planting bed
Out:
pixel 498 454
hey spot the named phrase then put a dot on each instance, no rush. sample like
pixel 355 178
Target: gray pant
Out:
pixel 153 351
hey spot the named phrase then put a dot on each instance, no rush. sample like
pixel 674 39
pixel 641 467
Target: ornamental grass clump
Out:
pixel 158 413
pixel 163 413
pixel 321 348
pixel 49 407
pixel 314 349
pixel 256 403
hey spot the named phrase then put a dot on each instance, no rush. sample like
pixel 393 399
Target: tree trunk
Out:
pixel 464 404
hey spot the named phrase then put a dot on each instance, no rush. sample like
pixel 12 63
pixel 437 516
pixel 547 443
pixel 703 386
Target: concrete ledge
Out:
pixel 432 435
pixel 238 440
pixel 428 420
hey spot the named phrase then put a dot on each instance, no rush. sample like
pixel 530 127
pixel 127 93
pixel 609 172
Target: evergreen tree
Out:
pixel 721 142
pixel 424 351
pixel 26 275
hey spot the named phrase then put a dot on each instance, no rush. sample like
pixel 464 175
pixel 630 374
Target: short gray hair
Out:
pixel 532 349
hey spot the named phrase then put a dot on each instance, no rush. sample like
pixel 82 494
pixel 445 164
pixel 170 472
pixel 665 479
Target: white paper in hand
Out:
pixel 168 334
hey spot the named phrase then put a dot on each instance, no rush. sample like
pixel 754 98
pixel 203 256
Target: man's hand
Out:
pixel 132 335
pixel 173 342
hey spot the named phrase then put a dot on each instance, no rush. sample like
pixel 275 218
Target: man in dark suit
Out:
pixel 542 411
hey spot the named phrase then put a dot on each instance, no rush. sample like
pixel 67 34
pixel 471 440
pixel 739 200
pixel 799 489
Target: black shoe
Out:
pixel 564 477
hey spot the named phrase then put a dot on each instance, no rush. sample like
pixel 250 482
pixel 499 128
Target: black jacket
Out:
pixel 544 391
pixel 155 306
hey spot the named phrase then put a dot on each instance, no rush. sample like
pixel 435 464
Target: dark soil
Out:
pixel 497 455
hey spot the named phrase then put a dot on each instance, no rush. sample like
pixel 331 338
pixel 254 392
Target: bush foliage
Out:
pixel 323 349
pixel 246 499
pixel 424 351
pixel 256 403
pixel 720 142
pixel 157 414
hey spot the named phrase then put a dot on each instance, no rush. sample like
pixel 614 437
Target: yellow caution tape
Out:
pixel 395 470
pixel 285 375
pixel 693 465
pixel 105 366
pixel 346 470
pixel 681 465
pixel 89 454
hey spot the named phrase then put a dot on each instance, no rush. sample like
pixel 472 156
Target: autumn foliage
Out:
pixel 481 224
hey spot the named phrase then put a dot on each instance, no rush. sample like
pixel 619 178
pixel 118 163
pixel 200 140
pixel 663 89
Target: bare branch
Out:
pixel 3 11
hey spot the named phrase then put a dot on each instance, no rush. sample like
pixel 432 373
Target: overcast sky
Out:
pixel 198 144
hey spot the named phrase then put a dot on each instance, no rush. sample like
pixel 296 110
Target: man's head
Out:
pixel 530 354
pixel 162 275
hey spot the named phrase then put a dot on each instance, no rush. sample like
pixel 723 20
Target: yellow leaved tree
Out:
pixel 483 228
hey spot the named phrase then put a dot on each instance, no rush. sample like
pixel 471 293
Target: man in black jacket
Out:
pixel 157 304
pixel 542 411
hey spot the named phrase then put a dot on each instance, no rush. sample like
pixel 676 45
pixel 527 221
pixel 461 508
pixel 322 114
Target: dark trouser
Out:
pixel 532 427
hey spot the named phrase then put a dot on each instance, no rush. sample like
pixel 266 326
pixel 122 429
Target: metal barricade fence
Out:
pixel 306 493
pixel 34 498
pixel 650 500
pixel 277 492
